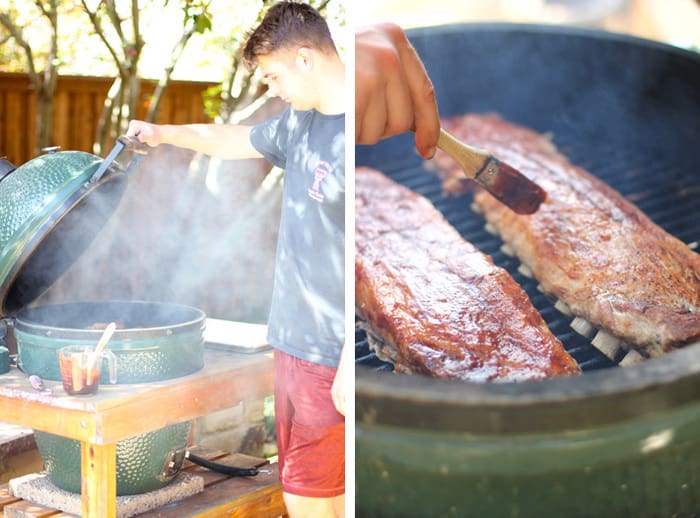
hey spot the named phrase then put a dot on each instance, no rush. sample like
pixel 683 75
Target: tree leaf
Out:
pixel 202 23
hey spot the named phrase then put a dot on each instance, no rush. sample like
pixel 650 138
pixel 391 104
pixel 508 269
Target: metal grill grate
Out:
pixel 670 201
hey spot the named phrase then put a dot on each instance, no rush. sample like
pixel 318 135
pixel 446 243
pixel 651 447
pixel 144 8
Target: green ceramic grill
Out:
pixel 142 461
pixel 614 441
pixel 154 342
pixel 51 208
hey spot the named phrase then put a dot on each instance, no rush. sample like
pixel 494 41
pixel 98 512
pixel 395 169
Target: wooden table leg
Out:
pixel 99 480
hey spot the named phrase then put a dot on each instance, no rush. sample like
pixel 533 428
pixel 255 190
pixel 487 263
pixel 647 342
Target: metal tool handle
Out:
pixel 133 144
pixel 138 149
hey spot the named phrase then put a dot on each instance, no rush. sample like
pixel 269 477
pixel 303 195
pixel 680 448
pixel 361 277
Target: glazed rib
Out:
pixel 440 306
pixel 587 245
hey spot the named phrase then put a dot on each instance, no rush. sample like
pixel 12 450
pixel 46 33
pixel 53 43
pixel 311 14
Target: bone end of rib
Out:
pixel 562 308
pixel 606 343
pixel 631 358
pixel 525 270
pixel 582 327
pixel 508 250
pixel 491 229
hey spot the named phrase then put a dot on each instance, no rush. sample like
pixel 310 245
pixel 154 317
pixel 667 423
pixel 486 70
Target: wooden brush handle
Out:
pixel 470 158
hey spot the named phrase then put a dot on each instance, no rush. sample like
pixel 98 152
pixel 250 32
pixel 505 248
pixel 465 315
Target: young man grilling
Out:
pixel 295 52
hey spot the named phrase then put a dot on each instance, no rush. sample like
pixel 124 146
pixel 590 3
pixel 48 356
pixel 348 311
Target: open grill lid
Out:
pixel 50 211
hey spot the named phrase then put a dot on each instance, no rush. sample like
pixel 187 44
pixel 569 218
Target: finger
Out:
pixel 360 110
pixel 382 98
pixel 363 94
pixel 373 121
pixel 370 100
pixel 425 109
pixel 397 94
pixel 141 131
pixel 370 113
pixel 132 130
pixel 399 106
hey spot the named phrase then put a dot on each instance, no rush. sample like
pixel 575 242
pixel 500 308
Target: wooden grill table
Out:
pixel 118 412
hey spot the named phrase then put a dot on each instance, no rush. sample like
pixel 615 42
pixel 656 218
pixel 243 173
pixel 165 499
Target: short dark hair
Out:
pixel 287 24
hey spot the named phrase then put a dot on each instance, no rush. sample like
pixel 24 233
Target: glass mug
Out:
pixel 81 368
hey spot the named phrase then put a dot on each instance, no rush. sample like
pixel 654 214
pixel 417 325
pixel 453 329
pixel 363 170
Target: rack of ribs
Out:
pixel 438 305
pixel 604 260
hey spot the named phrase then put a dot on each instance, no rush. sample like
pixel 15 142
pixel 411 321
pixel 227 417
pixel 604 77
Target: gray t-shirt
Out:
pixel 308 298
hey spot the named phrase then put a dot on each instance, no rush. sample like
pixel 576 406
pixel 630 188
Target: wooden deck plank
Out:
pixel 25 509
pixel 5 497
pixel 259 496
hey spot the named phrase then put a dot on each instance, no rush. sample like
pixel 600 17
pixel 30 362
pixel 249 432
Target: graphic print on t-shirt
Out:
pixel 322 170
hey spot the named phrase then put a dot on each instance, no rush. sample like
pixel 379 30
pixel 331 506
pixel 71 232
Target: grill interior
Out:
pixel 624 109
pixel 669 200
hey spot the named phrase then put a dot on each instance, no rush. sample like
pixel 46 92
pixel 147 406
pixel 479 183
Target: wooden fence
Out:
pixel 77 108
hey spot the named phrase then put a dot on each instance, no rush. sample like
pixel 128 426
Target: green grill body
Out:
pixel 141 460
pixel 157 342
pixel 612 442
pixel 644 468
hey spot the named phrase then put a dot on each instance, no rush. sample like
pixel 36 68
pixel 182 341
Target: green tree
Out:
pixel 48 37
pixel 196 20
pixel 124 37
pixel 120 33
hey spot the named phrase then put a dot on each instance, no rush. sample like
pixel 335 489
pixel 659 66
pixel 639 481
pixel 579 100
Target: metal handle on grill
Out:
pixel 138 148
pixel 134 145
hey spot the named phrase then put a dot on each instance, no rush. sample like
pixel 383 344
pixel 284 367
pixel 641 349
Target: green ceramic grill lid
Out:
pixel 51 209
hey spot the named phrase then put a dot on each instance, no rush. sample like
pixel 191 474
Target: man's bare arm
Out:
pixel 225 141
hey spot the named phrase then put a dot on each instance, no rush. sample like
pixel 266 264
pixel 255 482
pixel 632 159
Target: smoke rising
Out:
pixel 188 230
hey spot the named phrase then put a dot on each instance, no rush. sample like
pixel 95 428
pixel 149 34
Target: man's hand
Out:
pixel 393 92
pixel 147 133
pixel 342 375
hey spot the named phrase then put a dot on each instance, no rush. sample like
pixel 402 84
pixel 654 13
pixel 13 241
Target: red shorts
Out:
pixel 310 431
